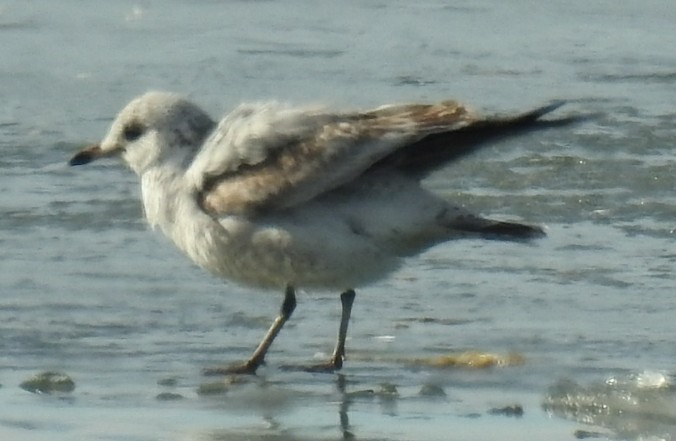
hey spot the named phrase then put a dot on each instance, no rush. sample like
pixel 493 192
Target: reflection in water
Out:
pixel 344 407
pixel 632 407
pixel 271 400
pixel 308 402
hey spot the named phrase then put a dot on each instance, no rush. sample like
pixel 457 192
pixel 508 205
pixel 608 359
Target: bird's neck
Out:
pixel 163 194
pixel 170 203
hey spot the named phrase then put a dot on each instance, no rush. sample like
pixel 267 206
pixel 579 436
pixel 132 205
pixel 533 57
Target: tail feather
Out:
pixel 436 150
pixel 499 230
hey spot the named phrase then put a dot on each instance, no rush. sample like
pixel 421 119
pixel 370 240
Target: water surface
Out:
pixel 87 289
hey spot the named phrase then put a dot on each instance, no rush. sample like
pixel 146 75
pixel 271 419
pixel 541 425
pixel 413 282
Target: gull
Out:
pixel 283 197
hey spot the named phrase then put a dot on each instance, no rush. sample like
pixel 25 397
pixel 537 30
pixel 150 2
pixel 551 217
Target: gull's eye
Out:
pixel 133 131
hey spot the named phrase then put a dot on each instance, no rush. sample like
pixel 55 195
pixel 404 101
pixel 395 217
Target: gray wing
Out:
pixel 268 156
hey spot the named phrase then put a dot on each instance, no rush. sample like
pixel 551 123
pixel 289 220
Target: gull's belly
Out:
pixel 309 247
pixel 313 255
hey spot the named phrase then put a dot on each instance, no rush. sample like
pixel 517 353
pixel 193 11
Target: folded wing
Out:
pixel 268 157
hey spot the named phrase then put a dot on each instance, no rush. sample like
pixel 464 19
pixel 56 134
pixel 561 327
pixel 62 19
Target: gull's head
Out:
pixel 151 129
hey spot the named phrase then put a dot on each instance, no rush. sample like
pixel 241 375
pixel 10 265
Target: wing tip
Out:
pixel 534 117
pixel 543 110
pixel 500 230
pixel 512 231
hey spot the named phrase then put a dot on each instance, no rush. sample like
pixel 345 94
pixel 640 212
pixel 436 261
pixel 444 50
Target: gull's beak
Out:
pixel 87 155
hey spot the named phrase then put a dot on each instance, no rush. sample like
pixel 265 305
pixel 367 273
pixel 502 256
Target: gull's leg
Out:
pixel 258 356
pixel 336 361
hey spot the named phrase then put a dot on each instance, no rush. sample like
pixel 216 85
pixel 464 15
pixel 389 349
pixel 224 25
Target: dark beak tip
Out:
pixel 80 158
pixel 86 155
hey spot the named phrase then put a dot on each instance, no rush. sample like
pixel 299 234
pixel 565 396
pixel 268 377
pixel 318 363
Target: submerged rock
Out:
pixel 167 382
pixel 387 390
pixel 515 410
pixel 586 434
pixel 432 390
pixel 169 396
pixel 48 383
pixel 213 388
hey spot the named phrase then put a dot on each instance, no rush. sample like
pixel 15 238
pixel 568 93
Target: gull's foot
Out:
pixel 328 367
pixel 246 368
pixel 250 366
pixel 323 368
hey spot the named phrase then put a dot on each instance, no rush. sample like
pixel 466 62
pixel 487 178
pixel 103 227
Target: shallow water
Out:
pixel 87 290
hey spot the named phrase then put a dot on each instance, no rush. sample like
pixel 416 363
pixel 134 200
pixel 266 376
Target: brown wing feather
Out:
pixel 437 149
pixel 335 154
